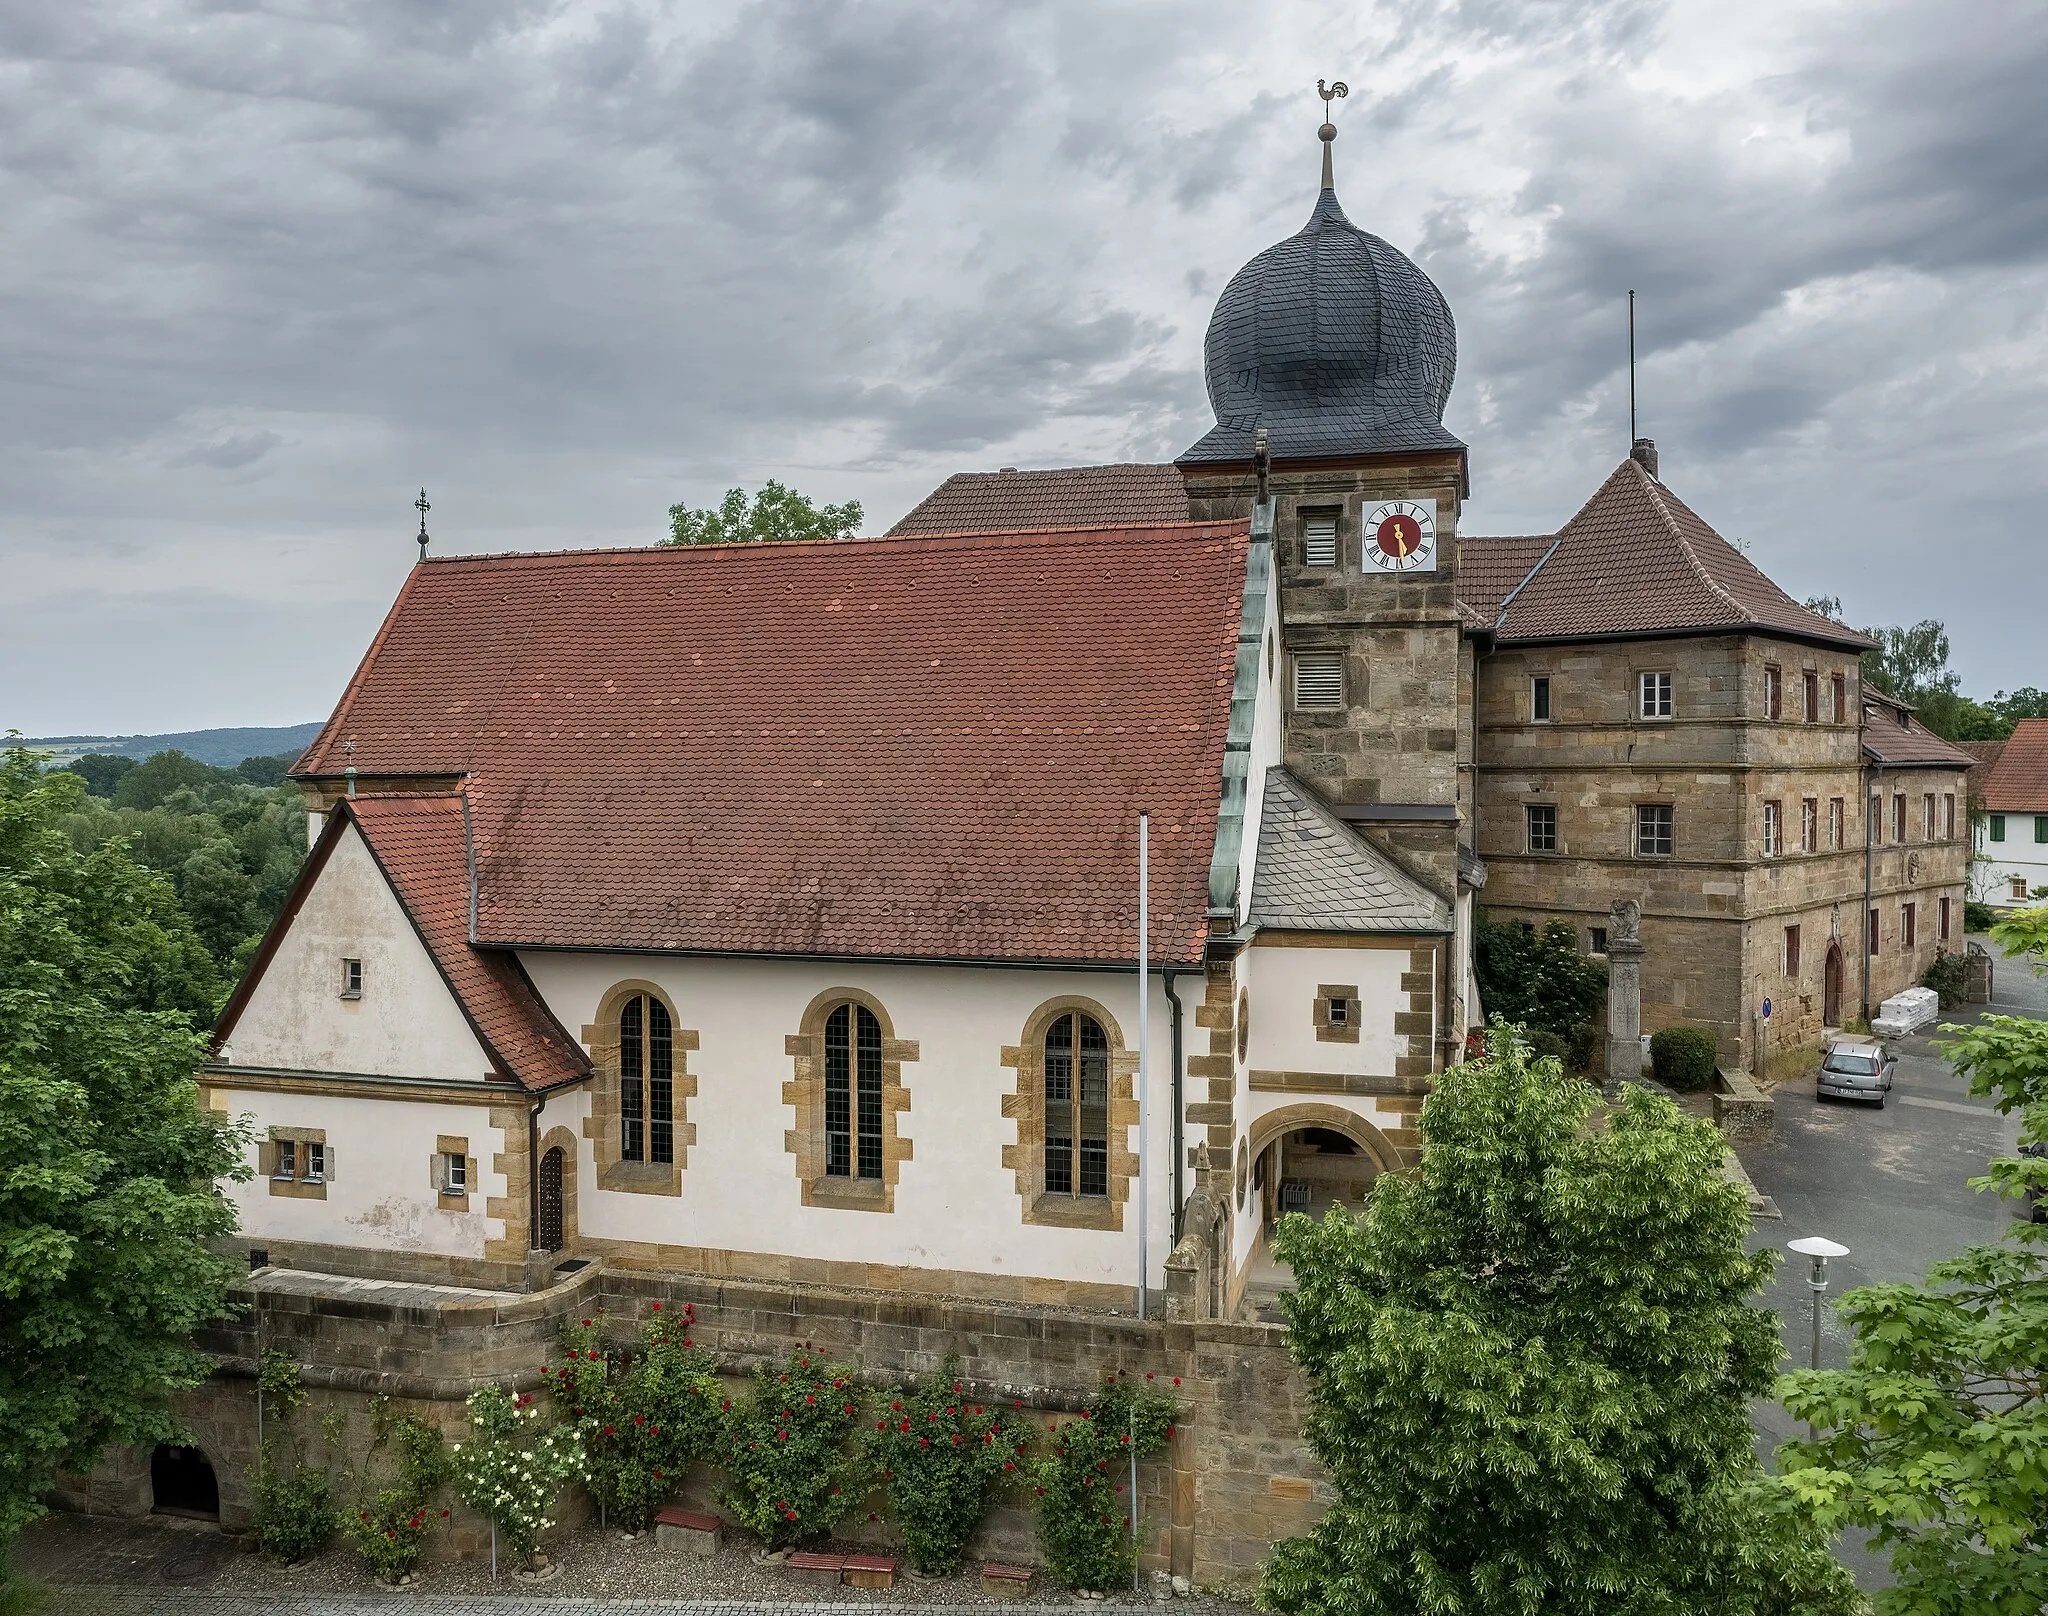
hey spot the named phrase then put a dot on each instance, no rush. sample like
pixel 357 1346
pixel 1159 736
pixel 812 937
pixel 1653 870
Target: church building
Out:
pixel 771 912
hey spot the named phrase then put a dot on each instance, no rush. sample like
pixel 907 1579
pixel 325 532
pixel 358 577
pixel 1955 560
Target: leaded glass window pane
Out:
pixel 632 1094
pixel 1059 1107
pixel 838 1092
pixel 661 1084
pixel 870 1092
pixel 1094 1108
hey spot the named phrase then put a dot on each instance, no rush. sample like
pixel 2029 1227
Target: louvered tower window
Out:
pixel 1319 539
pixel 647 1084
pixel 853 1093
pixel 1319 679
pixel 1076 1107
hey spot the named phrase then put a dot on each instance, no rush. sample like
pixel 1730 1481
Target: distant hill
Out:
pixel 221 748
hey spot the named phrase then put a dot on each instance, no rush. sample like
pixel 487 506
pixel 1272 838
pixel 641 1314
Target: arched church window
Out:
pixel 1076 1106
pixel 853 1093
pixel 647 1126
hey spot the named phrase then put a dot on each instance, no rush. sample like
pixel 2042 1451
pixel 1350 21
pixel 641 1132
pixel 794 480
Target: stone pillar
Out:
pixel 1624 995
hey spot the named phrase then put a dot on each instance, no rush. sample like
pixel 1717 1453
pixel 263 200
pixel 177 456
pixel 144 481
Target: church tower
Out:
pixel 1334 353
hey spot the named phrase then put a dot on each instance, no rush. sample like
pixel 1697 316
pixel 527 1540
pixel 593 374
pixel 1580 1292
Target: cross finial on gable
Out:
pixel 422 507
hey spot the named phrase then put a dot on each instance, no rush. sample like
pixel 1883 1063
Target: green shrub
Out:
pixel 643 1421
pixel 1084 1518
pixel 1546 1045
pixel 390 1533
pixel 1978 916
pixel 1948 976
pixel 1584 1047
pixel 292 1515
pixel 942 1459
pixel 1683 1058
pixel 1538 980
pixel 792 1471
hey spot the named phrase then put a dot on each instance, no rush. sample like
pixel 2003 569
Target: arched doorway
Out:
pixel 181 1482
pixel 549 1235
pixel 1831 985
pixel 1306 1157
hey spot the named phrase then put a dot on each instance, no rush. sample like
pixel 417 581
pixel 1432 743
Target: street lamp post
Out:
pixel 1820 1249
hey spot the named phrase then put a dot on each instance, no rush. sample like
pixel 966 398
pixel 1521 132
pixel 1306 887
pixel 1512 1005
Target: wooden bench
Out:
pixel 870 1571
pixel 816 1567
pixel 1009 1583
pixel 683 1529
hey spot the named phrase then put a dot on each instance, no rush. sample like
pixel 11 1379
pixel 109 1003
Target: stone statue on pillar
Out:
pixel 1624 995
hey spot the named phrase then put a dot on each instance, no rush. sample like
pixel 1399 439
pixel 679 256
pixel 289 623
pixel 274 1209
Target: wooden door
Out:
pixel 551 1201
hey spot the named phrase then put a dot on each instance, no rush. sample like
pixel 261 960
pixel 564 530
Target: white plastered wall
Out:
pixel 956 1204
pixel 1269 738
pixel 406 1024
pixel 1994 865
pixel 381 1192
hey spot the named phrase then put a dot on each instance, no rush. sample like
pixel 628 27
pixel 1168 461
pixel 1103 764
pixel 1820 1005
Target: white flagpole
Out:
pixel 1144 1034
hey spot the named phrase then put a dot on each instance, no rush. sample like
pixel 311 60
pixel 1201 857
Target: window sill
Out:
pixel 1337 1035
pixel 851 1194
pixel 453 1200
pixel 641 1178
pixel 300 1189
pixel 355 995
pixel 1075 1212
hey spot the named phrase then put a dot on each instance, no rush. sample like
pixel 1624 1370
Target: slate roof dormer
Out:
pixel 1315 873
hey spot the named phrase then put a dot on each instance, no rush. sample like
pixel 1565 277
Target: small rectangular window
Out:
pixel 1810 691
pixel 1899 817
pixel 454 1173
pixel 1792 951
pixel 1809 824
pixel 287 1163
pixel 1774 694
pixel 1996 823
pixel 1873 931
pixel 1599 945
pixel 1944 920
pixel 1928 804
pixel 1948 816
pixel 1841 684
pixel 316 1162
pixel 1319 539
pixel 1340 1012
pixel 1874 827
pixel 1319 679
pixel 2041 827
pixel 1654 830
pixel 2019 888
pixel 1542 827
pixel 1655 695
pixel 351 979
pixel 1909 925
pixel 1772 832
pixel 1539 699
pixel 1835 817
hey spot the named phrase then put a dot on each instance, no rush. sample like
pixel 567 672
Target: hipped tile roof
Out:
pixel 2017 782
pixel 1072 496
pixel 1893 737
pixel 882 748
pixel 1315 873
pixel 1637 560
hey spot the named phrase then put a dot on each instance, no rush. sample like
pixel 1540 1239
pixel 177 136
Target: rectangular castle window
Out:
pixel 1774 694
pixel 1792 951
pixel 1841 684
pixel 1542 827
pixel 1654 837
pixel 1835 818
pixel 1948 816
pixel 454 1173
pixel 1995 824
pixel 1944 920
pixel 1773 835
pixel 1654 695
pixel 1599 940
pixel 351 979
pixel 1810 682
pixel 1875 826
pixel 1928 804
pixel 1873 932
pixel 1909 927
pixel 1899 817
pixel 1539 699
pixel 1809 824
pixel 1319 679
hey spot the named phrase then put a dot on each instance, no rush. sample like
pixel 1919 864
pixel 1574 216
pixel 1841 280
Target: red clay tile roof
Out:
pixel 2017 782
pixel 1490 568
pixel 1637 560
pixel 1896 739
pixel 1072 496
pixel 1986 754
pixel 869 748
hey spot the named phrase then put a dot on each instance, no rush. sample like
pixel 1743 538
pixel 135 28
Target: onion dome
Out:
pixel 1334 342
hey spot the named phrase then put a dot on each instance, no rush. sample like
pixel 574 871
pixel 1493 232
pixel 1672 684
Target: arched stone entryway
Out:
pixel 182 1482
pixel 1831 985
pixel 1322 1153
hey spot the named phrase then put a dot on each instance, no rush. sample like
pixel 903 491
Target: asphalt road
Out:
pixel 1891 1185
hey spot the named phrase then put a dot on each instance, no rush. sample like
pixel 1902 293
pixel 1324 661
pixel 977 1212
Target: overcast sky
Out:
pixel 269 267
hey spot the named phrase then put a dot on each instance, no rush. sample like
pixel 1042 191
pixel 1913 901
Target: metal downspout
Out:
pixel 533 1173
pixel 1870 823
pixel 1179 1148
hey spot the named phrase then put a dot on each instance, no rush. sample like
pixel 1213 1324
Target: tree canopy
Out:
pixel 1911 663
pixel 1537 979
pixel 1531 1363
pixel 1937 1432
pixel 775 513
pixel 107 1163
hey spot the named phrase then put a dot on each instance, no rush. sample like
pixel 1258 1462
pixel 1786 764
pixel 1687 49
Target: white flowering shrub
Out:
pixel 512 1471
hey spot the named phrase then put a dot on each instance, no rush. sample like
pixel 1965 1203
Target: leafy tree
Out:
pixel 107 1162
pixel 2009 707
pixel 776 513
pixel 1912 664
pixel 151 781
pixel 1937 1432
pixel 1538 979
pixel 1531 1364
pixel 101 771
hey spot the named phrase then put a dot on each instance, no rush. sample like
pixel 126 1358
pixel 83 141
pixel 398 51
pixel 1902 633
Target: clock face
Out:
pixel 1400 536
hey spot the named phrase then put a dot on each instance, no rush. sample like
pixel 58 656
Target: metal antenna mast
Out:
pixel 1631 370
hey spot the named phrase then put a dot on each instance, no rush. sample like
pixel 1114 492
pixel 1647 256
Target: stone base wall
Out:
pixel 1235 1477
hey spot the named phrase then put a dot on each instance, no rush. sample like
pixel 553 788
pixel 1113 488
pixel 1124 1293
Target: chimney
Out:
pixel 1644 454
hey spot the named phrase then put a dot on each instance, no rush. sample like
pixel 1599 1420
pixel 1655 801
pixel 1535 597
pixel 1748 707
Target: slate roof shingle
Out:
pixel 1637 560
pixel 1315 873
pixel 1069 496
pixel 874 748
pixel 2017 781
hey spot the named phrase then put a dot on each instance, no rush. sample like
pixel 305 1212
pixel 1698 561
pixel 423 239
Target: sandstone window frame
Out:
pixel 605 1126
pixel 1656 830
pixel 1933 826
pixel 1909 925
pixel 296 1162
pixel 1942 914
pixel 1809 824
pixel 1539 821
pixel 1539 698
pixel 1876 936
pixel 1948 816
pixel 1656 700
pixel 1337 1012
pixel 1774 828
pixel 1774 693
pixel 1840 684
pixel 1596 940
pixel 804 1093
pixel 453 1171
pixel 1024 1105
pixel 1809 692
pixel 1837 821
pixel 1899 818
pixel 1874 829
pixel 1791 960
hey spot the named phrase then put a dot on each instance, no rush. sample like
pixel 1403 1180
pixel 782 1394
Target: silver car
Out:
pixel 1855 1069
